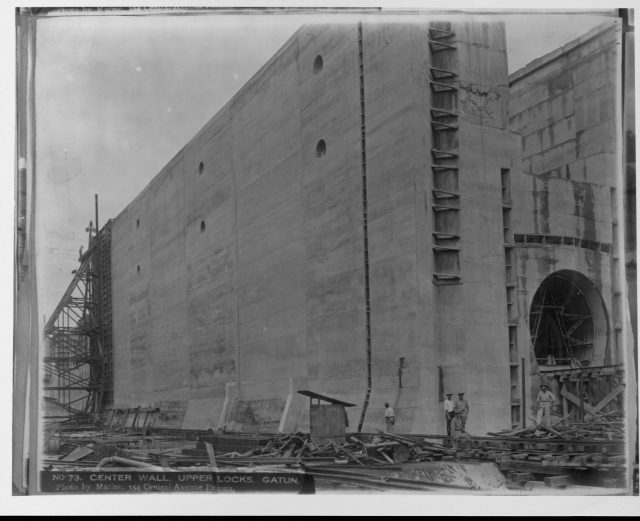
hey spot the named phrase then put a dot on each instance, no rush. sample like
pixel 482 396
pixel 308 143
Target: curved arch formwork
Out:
pixel 78 361
pixel 569 329
pixel 568 321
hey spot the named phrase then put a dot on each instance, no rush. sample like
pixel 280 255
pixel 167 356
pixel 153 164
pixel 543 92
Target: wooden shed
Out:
pixel 327 421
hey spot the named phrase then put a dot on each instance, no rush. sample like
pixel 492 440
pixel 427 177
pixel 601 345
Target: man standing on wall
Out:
pixel 389 417
pixel 461 408
pixel 449 411
pixel 545 402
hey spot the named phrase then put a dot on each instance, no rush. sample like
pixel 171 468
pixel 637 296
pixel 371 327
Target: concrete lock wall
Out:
pixel 239 273
pixel 564 107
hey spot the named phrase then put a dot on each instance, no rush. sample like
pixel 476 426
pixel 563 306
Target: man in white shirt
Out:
pixel 545 402
pixel 449 407
pixel 389 417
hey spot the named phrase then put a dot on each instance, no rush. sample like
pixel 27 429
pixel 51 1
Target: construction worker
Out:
pixel 449 410
pixel 456 429
pixel 389 417
pixel 545 401
pixel 461 408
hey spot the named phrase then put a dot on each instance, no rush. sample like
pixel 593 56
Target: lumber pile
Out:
pixel 87 448
pixel 380 449
pixel 607 426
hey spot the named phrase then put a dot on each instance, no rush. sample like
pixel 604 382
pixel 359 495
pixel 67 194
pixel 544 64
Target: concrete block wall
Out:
pixel 251 245
pixel 564 106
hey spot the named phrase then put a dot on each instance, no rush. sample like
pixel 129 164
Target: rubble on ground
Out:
pixel 602 426
pixel 594 443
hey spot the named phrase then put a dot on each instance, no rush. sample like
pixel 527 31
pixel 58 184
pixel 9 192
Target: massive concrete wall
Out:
pixel 565 107
pixel 396 98
pixel 480 361
pixel 240 271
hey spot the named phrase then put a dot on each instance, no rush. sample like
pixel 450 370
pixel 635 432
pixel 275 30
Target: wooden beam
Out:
pixel 211 454
pixel 576 401
pixel 608 398
pixel 557 481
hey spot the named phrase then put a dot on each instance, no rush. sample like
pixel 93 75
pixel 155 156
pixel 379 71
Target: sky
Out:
pixel 118 96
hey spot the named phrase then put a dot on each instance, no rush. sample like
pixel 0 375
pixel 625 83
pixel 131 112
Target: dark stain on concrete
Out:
pixel 577 141
pixel 578 205
pixel 534 194
pixel 477 101
pixel 541 206
pixel 522 255
pixel 557 84
pixel 546 263
pixel 584 210
pixel 544 207
pixel 590 213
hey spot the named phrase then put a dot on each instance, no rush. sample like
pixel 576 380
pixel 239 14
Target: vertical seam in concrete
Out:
pixel 236 267
pixel 420 189
pixel 365 229
pixel 303 216
pixel 416 192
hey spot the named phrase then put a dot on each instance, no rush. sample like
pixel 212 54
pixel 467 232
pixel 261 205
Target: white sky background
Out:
pixel 119 96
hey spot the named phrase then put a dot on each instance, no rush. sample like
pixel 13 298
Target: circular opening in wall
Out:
pixel 568 321
pixel 318 63
pixel 202 226
pixel 138 268
pixel 201 168
pixel 137 223
pixel 321 148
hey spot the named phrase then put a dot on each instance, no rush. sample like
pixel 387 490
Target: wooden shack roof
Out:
pixel 311 394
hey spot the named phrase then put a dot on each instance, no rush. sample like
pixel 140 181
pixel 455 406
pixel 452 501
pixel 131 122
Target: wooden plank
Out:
pixel 575 400
pixel 557 481
pixel 608 398
pixel 521 476
pixel 380 451
pixel 327 421
pixel 78 453
pixel 211 454
pixel 565 403
pixel 552 431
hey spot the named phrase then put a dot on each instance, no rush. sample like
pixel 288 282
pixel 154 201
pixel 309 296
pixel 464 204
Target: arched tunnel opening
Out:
pixel 568 321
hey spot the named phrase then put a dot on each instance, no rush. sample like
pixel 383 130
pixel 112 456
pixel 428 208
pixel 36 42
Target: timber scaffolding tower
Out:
pixel 78 361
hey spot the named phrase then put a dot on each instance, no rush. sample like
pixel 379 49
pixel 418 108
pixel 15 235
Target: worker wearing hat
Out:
pixel 545 400
pixel 389 417
pixel 462 410
pixel 449 412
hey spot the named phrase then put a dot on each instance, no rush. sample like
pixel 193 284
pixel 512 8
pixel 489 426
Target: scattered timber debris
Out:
pixel 359 460
pixel 378 449
pixel 602 426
